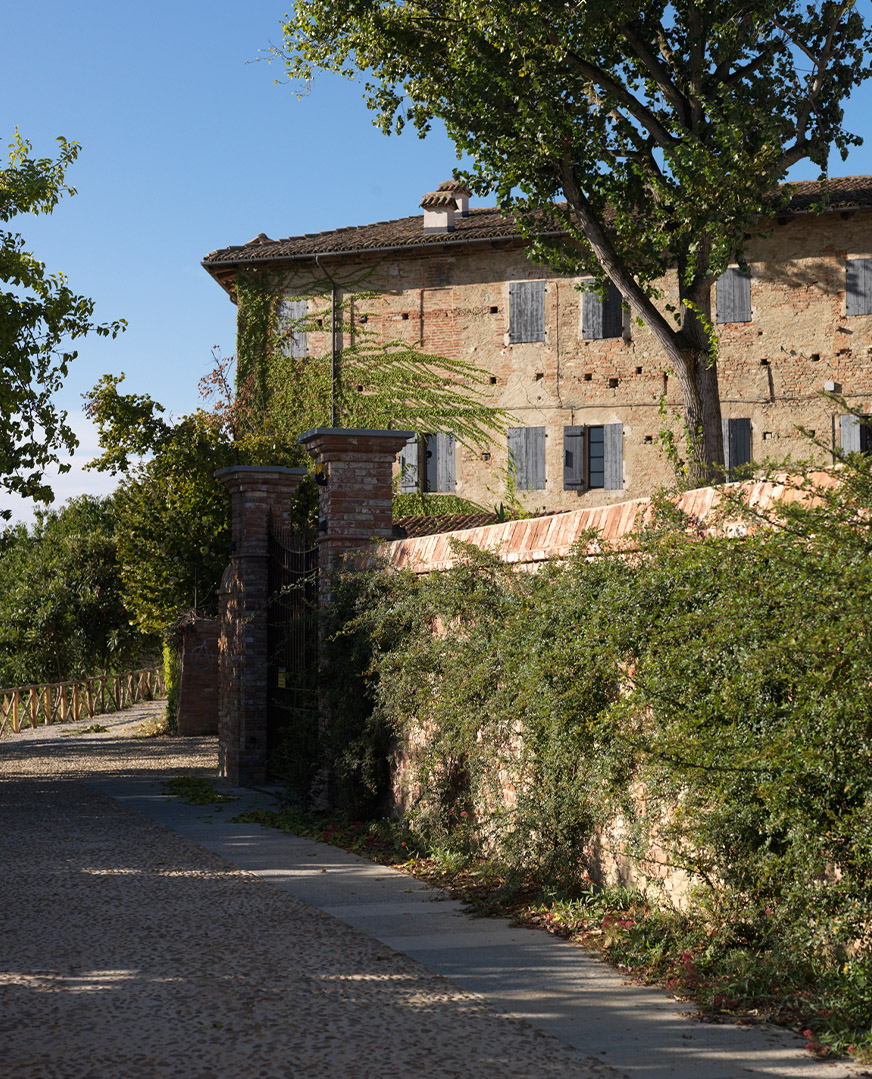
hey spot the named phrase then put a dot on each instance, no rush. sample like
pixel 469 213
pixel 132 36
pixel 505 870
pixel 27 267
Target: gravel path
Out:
pixel 127 951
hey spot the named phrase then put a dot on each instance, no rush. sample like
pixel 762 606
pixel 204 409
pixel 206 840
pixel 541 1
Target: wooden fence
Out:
pixel 62 702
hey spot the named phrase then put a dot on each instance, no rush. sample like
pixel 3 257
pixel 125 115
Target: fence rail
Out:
pixel 62 702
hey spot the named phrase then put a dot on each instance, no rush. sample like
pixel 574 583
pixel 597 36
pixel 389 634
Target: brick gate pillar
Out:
pixel 356 468
pixel 255 491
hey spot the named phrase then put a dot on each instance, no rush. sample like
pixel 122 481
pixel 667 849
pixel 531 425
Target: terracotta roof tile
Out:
pixel 848 192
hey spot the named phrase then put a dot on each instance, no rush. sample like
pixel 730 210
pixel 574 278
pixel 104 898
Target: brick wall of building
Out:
pixel 198 681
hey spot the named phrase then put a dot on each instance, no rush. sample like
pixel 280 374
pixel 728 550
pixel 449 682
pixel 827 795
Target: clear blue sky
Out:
pixel 188 146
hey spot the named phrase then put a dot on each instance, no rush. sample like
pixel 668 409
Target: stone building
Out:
pixel 581 378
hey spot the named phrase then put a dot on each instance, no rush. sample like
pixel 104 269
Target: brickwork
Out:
pixel 242 718
pixel 198 682
pixel 356 497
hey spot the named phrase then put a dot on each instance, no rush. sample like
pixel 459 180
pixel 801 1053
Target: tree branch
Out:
pixel 658 70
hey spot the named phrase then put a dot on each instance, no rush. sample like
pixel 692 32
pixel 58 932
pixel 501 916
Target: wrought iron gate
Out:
pixel 292 666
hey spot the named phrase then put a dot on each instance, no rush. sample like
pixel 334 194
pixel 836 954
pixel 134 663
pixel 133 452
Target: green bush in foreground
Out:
pixel 715 693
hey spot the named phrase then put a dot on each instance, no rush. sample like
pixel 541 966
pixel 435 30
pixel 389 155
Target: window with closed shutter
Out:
pixel 527 457
pixel 526 311
pixel 439 471
pixel 858 287
pixel 733 296
pixel 602 318
pixel 737 444
pixel 290 315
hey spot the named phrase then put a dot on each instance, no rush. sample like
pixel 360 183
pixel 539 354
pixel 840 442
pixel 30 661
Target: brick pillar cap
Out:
pixel 252 470
pixel 356 432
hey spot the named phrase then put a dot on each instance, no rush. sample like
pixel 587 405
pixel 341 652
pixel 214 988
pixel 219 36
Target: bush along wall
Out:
pixel 712 693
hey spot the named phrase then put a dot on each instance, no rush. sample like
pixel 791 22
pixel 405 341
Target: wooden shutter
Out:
pixel 526 311
pixel 602 318
pixel 289 313
pixel 445 477
pixel 733 296
pixel 613 456
pixel 527 457
pixel 849 434
pixel 858 287
pixel 409 466
pixel 573 458
pixel 737 443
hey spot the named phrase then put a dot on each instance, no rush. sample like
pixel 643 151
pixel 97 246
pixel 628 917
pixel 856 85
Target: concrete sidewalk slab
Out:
pixel 552 984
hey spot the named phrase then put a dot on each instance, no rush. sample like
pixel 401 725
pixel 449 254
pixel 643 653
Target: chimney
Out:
pixel 439 207
pixel 460 192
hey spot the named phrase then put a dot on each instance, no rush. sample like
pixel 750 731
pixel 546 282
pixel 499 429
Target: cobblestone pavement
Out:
pixel 128 951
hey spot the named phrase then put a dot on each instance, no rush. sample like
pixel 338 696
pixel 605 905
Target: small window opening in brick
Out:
pixel 405 316
pixel 811 433
pixel 360 389
pixel 485 456
pixel 587 376
pixel 613 383
pixel 363 318
pixel 815 357
pixel 767 435
pixel 764 363
pixel 638 370
pixel 494 310
pixel 493 380
pixel 649 438
pixel 539 376
pixel 320 321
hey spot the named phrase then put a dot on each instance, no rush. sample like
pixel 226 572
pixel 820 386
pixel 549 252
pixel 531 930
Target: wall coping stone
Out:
pixel 265 470
pixel 357 432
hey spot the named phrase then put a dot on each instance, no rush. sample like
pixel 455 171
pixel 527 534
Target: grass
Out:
pixel 729 971
pixel 196 791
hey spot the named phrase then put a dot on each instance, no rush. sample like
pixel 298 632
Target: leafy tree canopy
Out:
pixel 664 127
pixel 39 314
pixel 62 614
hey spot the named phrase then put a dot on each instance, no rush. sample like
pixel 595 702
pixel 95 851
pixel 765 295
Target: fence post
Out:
pixel 89 697
pixel 34 706
pixel 49 712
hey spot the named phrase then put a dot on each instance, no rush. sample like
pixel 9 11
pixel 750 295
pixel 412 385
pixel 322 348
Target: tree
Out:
pixel 39 313
pixel 665 126
pixel 62 614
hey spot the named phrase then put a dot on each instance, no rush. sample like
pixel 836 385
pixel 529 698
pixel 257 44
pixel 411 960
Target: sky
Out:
pixel 187 146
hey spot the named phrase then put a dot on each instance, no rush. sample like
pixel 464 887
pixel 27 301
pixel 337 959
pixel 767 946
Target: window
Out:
pixel 526 311
pixel 289 314
pixel 858 287
pixel 527 457
pixel 439 462
pixel 733 296
pixel 737 444
pixel 436 472
pixel 593 457
pixel 854 434
pixel 602 318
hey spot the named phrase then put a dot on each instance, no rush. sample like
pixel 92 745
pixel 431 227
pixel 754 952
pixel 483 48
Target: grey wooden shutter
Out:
pixel 733 296
pixel 409 466
pixel 613 456
pixel 573 458
pixel 849 434
pixel 737 443
pixel 445 476
pixel 527 457
pixel 602 318
pixel 293 341
pixel 526 311
pixel 858 287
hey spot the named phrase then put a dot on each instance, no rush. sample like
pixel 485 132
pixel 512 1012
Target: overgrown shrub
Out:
pixel 714 692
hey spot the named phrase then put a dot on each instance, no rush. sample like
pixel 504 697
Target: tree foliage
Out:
pixel 62 613
pixel 39 315
pixel 664 126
